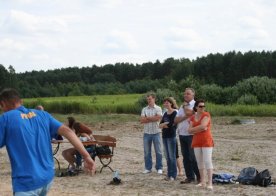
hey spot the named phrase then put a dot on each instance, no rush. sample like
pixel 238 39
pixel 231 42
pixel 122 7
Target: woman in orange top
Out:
pixel 200 126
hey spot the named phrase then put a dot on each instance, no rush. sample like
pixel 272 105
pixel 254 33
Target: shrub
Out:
pixel 211 93
pixel 263 88
pixel 141 86
pixel 247 99
pixel 163 93
pixel 192 82
pixel 229 95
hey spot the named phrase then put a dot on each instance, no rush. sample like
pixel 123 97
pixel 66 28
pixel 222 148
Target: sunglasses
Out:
pixel 201 106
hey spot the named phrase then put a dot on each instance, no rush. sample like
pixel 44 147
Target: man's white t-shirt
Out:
pixel 182 127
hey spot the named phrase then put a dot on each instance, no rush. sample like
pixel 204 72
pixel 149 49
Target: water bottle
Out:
pixel 116 175
pixel 116 178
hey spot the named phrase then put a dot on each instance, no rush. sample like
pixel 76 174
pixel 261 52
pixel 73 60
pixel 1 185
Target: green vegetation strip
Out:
pixel 88 104
pixel 127 104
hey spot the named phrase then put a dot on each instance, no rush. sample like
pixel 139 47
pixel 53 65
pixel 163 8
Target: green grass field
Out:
pixel 88 104
pixel 241 110
pixel 127 104
pixel 97 100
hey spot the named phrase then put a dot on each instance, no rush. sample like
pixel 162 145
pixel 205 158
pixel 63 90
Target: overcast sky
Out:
pixel 50 34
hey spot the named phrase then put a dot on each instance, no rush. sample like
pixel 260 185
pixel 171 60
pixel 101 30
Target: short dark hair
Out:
pixel 39 107
pixel 197 102
pixel 9 95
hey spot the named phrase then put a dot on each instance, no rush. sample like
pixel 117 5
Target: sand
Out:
pixel 236 147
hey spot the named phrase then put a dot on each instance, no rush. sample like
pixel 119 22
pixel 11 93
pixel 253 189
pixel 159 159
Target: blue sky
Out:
pixel 50 34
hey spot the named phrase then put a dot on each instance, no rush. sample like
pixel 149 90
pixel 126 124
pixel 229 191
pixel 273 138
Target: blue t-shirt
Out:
pixel 27 134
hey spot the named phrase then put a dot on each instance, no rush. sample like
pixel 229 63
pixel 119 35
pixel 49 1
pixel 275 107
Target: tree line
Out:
pixel 222 74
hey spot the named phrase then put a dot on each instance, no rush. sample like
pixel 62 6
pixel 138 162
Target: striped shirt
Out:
pixel 151 127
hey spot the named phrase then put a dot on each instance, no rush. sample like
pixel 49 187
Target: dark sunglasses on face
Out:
pixel 201 106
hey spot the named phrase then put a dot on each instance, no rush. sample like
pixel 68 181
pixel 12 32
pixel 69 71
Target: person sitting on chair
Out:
pixel 85 134
pixel 39 107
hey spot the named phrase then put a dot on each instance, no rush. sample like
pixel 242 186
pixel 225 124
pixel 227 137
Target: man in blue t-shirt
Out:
pixel 27 134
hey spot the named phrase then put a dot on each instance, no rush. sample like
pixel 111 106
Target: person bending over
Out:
pixel 71 155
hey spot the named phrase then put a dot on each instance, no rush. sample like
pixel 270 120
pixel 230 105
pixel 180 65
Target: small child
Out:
pixel 187 109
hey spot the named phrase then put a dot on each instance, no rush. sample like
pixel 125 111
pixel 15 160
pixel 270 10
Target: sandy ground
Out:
pixel 236 147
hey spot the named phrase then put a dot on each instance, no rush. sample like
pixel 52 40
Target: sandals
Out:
pixel 201 185
pixel 209 187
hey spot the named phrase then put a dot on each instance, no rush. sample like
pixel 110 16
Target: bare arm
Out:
pixel 179 119
pixel 154 118
pixel 163 125
pixel 86 135
pixel 143 119
pixel 202 127
pixel 85 129
pixel 148 119
pixel 181 116
pixel 89 164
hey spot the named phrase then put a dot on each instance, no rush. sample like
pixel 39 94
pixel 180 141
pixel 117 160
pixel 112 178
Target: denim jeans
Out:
pixel 156 140
pixel 38 192
pixel 169 145
pixel 189 160
pixel 91 150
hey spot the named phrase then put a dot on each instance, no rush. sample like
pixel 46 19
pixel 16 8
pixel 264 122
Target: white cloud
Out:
pixel 40 57
pixel 11 45
pixel 250 22
pixel 52 34
pixel 119 42
pixel 181 40
pixel 23 22
pixel 252 34
pixel 24 1
pixel 111 3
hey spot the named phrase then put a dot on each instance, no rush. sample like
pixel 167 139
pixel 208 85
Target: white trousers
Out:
pixel 204 157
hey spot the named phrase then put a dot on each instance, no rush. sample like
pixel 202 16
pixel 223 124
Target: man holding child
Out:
pixel 185 138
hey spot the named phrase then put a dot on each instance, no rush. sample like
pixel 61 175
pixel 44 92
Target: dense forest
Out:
pixel 220 74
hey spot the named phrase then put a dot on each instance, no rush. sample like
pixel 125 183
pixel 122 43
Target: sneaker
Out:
pixel 146 171
pixel 169 179
pixel 172 179
pixel 159 171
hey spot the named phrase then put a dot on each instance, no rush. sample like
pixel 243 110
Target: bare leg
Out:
pixel 200 163
pixel 69 155
pixel 210 176
pixel 180 169
pixel 202 177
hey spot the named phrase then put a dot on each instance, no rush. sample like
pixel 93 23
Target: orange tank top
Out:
pixel 203 138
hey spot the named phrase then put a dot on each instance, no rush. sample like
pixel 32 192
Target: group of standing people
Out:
pixel 193 124
pixel 27 133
